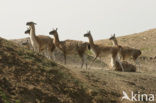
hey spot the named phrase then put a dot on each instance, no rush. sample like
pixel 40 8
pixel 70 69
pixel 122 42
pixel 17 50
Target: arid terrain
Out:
pixel 27 77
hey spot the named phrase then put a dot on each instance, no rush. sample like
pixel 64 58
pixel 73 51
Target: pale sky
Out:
pixel 73 18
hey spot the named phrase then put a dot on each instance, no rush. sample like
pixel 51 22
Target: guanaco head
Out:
pixel 87 34
pixel 112 37
pixel 27 31
pixel 30 23
pixel 25 43
pixel 53 32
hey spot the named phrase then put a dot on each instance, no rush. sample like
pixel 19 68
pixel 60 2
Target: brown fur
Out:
pixel 127 66
pixel 101 50
pixel 70 47
pixel 126 52
pixel 43 42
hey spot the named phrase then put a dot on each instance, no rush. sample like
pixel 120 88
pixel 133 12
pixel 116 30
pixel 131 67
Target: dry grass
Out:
pixel 30 78
pixel 98 85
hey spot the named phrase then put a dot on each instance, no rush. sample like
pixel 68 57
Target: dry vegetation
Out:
pixel 29 78
pixel 26 77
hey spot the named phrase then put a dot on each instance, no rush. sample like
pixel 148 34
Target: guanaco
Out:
pixel 71 47
pixel 40 42
pixel 102 50
pixel 126 52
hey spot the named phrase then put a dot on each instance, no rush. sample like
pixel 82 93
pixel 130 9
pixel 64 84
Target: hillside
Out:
pixel 71 84
pixel 145 41
pixel 29 78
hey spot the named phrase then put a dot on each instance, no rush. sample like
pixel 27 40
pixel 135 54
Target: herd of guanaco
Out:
pixel 118 53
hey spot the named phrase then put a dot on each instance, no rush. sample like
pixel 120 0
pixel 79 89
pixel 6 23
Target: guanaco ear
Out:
pixel 89 31
pixel 56 29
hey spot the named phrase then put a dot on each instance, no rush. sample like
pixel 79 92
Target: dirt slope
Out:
pixel 29 78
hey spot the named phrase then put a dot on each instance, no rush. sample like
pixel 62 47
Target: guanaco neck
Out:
pixel 56 39
pixel 32 31
pixel 91 41
pixel 115 42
